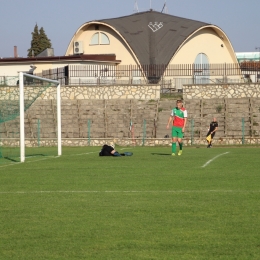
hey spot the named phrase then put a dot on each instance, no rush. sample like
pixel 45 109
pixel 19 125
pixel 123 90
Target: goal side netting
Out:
pixel 30 118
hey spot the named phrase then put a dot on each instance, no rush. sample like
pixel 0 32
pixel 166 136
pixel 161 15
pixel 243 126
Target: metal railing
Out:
pixel 179 74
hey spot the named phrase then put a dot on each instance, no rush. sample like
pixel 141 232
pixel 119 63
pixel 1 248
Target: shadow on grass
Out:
pixel 17 160
pixel 10 159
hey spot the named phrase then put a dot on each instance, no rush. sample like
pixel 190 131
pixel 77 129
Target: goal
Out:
pixel 18 97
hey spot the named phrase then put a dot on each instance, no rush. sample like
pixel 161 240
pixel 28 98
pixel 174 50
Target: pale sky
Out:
pixel 239 19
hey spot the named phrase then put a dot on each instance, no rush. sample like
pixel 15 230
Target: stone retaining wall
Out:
pixel 238 90
pixel 14 142
pixel 138 92
pixel 229 111
pixel 142 92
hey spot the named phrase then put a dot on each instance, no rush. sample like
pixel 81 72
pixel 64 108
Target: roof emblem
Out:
pixel 156 26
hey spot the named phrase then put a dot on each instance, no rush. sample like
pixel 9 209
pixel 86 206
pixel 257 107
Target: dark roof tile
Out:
pixel 153 36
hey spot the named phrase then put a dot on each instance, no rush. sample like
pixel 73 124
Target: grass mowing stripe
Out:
pixel 132 191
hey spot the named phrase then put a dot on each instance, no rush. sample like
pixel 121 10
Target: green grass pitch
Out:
pixel 204 204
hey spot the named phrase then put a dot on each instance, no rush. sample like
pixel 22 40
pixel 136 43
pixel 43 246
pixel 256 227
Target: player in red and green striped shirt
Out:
pixel 179 118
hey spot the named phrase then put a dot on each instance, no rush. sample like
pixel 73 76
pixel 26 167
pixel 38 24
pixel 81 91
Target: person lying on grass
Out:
pixel 108 150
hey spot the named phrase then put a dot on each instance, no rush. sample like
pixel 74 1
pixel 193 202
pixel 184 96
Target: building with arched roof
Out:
pixel 154 38
pixel 150 45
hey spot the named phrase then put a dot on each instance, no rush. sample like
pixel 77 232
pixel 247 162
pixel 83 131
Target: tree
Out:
pixel 34 43
pixel 39 42
pixel 45 42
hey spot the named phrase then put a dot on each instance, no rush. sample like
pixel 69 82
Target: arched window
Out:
pixel 201 59
pixel 104 39
pixel 201 66
pixel 94 39
pixel 99 38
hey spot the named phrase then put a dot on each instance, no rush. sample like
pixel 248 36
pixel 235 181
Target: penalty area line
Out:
pixel 78 154
pixel 42 159
pixel 211 160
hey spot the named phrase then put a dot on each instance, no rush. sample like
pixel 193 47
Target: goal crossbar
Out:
pixel 22 132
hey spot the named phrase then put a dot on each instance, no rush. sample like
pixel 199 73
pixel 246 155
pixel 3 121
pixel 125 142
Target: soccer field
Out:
pixel 201 205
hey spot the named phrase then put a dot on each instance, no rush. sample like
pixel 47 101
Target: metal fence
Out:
pixel 168 76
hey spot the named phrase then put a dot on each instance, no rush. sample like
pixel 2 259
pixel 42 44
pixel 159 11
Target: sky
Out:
pixel 60 19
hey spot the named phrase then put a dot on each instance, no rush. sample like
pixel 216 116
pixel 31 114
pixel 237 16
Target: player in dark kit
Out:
pixel 213 127
pixel 108 150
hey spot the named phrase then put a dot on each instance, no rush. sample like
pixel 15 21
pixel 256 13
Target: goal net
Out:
pixel 30 122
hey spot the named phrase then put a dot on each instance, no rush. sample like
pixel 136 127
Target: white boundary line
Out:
pixel 26 162
pixel 45 158
pixel 132 191
pixel 208 162
pixel 79 154
pixel 50 157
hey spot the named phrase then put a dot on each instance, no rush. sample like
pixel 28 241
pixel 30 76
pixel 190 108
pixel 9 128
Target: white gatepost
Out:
pixel 21 90
pixel 22 138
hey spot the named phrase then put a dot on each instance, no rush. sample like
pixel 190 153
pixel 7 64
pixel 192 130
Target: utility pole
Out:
pixel 136 9
pixel 165 8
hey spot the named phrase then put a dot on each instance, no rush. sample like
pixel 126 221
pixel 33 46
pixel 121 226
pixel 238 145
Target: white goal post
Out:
pixel 21 91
